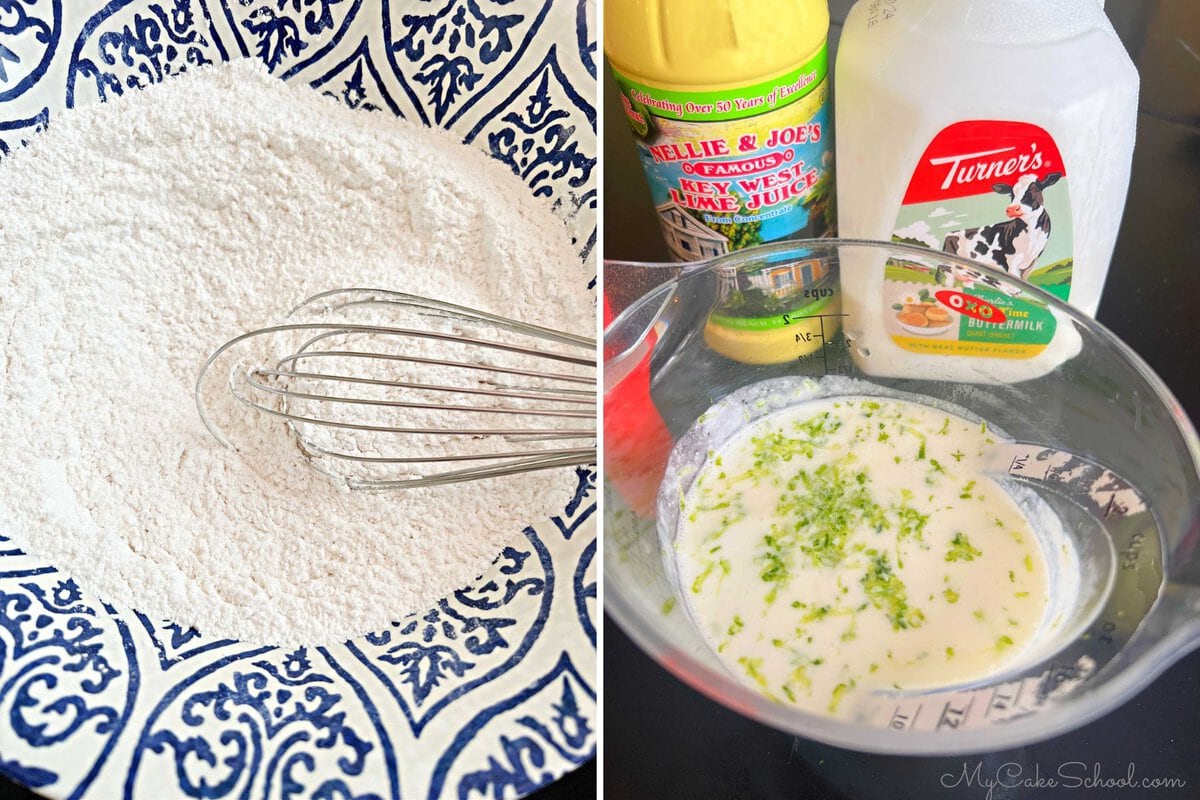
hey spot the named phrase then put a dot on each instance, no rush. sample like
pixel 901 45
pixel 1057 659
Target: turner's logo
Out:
pixel 970 158
pixel 982 166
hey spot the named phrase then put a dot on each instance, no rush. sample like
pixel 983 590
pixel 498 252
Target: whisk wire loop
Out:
pixel 402 430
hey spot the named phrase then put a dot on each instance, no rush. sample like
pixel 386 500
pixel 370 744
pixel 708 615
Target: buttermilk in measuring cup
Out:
pixel 853 544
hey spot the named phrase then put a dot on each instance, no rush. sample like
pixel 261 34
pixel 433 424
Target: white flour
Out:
pixel 139 235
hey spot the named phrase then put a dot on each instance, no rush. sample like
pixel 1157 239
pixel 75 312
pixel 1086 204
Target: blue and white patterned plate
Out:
pixel 487 694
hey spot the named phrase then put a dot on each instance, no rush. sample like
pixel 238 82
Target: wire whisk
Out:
pixel 381 389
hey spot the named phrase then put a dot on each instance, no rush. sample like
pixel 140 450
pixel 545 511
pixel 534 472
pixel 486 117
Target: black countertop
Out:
pixel 664 740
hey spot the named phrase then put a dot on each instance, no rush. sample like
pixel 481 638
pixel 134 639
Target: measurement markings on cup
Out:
pixel 841 367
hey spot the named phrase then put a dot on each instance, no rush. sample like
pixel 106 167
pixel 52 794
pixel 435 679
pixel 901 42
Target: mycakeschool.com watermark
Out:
pixel 1089 777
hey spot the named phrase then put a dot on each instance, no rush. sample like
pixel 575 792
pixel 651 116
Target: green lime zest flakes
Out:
pixel 722 564
pixel 961 549
pixel 945 427
pixel 817 614
pixel 668 605
pixel 1028 563
pixel 827 504
pixel 951 596
pixel 1003 642
pixel 1021 594
pixel 873 668
pixel 965 494
pixel 978 614
pixel 736 626
pixel 921 451
pixel 949 652
pixel 838 693
pixel 797 680
pixel 819 426
pixel 887 593
pixel 774 565
pixel 776 447
pixel 911 522
pixel 727 520
pixel 937 467
pixel 958 455
pixel 753 670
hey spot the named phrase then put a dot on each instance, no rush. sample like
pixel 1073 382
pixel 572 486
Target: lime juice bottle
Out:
pixel 729 103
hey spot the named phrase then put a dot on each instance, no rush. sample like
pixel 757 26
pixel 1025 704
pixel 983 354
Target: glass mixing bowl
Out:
pixel 1091 430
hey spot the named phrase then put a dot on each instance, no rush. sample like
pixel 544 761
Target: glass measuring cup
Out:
pixel 1094 434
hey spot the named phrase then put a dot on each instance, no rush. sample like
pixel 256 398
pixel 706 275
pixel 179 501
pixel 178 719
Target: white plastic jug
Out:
pixel 997 130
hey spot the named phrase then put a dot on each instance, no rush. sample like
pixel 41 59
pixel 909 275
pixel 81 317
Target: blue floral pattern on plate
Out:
pixel 489 693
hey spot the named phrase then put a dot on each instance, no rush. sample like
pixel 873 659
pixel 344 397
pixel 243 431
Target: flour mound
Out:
pixel 138 236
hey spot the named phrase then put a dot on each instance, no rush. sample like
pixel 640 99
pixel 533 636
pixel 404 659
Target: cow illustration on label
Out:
pixel 1015 244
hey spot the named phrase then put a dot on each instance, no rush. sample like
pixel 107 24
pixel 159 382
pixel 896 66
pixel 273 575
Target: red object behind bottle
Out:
pixel 636 441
